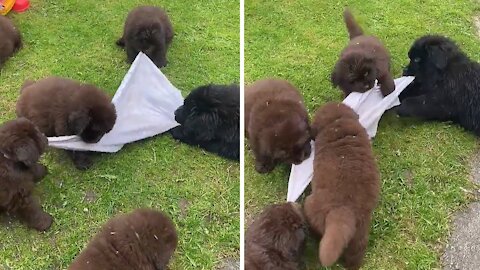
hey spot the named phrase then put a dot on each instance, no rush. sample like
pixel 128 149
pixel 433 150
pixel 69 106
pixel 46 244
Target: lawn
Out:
pixel 424 166
pixel 198 190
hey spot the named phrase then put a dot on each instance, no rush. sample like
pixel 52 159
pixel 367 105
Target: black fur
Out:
pixel 210 118
pixel 446 85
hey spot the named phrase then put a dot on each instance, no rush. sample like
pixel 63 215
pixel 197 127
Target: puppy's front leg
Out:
pixel 424 107
pixel 264 164
pixel 387 85
pixel 81 159
pixel 32 213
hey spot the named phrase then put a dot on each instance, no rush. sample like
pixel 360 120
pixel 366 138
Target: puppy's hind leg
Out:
pixel 32 213
pixel 353 255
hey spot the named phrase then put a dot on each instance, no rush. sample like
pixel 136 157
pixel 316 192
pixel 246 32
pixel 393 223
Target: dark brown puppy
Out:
pixel 148 30
pixel 142 240
pixel 62 107
pixel 276 238
pixel 21 145
pixel 10 39
pixel 363 61
pixel 345 186
pixel 276 123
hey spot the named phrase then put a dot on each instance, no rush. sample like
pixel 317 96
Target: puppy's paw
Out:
pixel 82 162
pixel 177 132
pixel 264 167
pixel 40 172
pixel 42 222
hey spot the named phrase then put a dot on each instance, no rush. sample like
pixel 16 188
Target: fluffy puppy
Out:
pixel 148 30
pixel 62 107
pixel 10 39
pixel 446 85
pixel 276 239
pixel 21 145
pixel 345 186
pixel 142 240
pixel 210 118
pixel 276 123
pixel 363 61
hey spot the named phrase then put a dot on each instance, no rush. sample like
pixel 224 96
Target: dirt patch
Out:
pixel 229 264
pixel 90 196
pixel 463 248
pixel 476 22
pixel 183 205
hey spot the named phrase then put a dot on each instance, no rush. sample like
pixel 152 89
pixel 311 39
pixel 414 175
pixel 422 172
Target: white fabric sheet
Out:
pixel 145 103
pixel 370 107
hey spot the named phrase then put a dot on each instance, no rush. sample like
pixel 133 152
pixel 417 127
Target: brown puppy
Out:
pixel 364 60
pixel 276 239
pixel 142 240
pixel 148 30
pixel 345 186
pixel 62 107
pixel 21 145
pixel 276 123
pixel 10 39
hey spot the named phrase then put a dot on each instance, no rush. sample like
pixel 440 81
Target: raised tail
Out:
pixel 354 30
pixel 339 230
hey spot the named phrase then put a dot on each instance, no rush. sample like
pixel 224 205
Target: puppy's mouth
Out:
pixel 88 139
pixel 407 71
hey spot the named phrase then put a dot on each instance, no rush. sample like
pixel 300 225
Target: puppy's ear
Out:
pixel 335 76
pixel 27 153
pixel 78 121
pixel 438 56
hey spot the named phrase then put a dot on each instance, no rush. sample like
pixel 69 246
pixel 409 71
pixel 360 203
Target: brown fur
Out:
pixel 276 239
pixel 345 186
pixel 276 123
pixel 142 240
pixel 62 107
pixel 364 60
pixel 21 145
pixel 149 30
pixel 10 39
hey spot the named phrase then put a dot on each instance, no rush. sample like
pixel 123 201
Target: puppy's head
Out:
pixel 150 40
pixel 205 109
pixel 94 116
pixel 284 137
pixel 355 72
pixel 329 113
pixel 21 141
pixel 280 228
pixel 430 55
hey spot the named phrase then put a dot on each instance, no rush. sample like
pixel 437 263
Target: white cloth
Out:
pixel 145 103
pixel 370 107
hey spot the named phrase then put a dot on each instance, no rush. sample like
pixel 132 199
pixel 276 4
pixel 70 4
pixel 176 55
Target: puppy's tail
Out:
pixel 354 29
pixel 339 230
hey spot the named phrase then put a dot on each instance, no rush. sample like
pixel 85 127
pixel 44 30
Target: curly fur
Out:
pixel 142 240
pixel 210 118
pixel 148 30
pixel 21 145
pixel 446 85
pixel 10 39
pixel 345 186
pixel 62 107
pixel 276 239
pixel 363 61
pixel 276 123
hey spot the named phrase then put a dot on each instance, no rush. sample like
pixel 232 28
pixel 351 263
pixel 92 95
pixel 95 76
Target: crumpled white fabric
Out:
pixel 145 103
pixel 370 107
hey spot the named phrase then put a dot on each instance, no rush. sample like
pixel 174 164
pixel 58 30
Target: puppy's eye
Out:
pixel 417 59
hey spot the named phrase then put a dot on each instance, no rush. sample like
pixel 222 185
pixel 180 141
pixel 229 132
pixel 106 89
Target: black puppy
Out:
pixel 148 30
pixel 210 118
pixel 446 86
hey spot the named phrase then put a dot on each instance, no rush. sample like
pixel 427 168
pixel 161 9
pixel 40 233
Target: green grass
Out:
pixel 198 190
pixel 424 166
